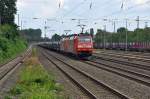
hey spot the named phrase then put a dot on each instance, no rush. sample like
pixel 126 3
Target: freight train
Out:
pixel 79 45
pixel 133 46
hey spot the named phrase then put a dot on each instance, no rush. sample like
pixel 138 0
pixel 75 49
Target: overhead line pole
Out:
pixel 104 36
pixel 0 20
pixel 138 22
pixel 114 23
pixel 146 24
pixel 21 27
pixel 19 21
pixel 104 33
pixel 126 34
pixel 114 26
pixel 45 30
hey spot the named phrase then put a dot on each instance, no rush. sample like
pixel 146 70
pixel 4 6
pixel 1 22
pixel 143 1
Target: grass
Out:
pixel 36 83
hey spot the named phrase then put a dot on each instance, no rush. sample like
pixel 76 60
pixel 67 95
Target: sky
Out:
pixel 57 15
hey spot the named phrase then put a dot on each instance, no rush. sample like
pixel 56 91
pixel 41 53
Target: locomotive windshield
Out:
pixel 84 39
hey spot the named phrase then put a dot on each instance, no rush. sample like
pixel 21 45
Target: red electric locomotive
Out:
pixel 79 45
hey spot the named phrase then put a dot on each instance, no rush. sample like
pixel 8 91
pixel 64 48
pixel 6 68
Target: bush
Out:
pixel 10 43
pixel 9 32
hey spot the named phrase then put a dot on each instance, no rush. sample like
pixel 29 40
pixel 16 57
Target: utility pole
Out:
pixel 114 31
pixel 104 36
pixel 138 22
pixel 126 34
pixel 146 24
pixel 0 20
pixel 18 20
pixel 45 30
pixel 21 25
pixel 114 26
pixel 79 21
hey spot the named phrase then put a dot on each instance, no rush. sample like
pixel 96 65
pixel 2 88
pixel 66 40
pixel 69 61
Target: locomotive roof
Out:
pixel 73 36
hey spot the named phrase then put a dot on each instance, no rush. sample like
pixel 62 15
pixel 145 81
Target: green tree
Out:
pixel 92 32
pixel 7 11
pixel 32 34
pixel 9 31
pixel 56 37
pixel 121 34
pixel 121 30
pixel 147 34
pixel 138 35
pixel 87 33
pixel 99 36
pixel 11 43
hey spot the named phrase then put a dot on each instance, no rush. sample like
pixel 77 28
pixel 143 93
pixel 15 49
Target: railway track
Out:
pixel 84 80
pixel 9 68
pixel 131 75
pixel 135 82
pixel 140 76
pixel 123 52
pixel 122 62
pixel 140 56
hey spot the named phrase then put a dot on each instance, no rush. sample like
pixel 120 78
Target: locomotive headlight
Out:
pixel 88 46
pixel 80 46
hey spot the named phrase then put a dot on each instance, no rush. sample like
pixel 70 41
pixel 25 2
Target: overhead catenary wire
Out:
pixel 102 5
pixel 122 5
pixel 74 8
pixel 126 9
pixel 91 7
pixel 91 3
pixel 119 11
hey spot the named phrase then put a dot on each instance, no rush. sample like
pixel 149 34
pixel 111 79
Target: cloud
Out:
pixel 77 9
pixel 39 8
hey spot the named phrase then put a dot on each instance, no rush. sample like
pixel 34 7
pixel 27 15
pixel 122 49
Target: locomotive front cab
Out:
pixel 85 46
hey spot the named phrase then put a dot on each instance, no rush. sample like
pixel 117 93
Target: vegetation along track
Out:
pixel 84 80
pixel 7 69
